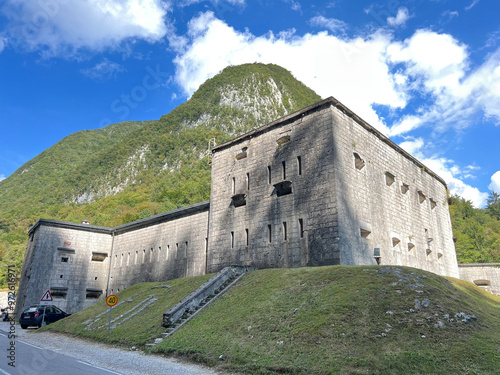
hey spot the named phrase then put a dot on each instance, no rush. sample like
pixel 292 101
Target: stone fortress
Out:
pixel 317 187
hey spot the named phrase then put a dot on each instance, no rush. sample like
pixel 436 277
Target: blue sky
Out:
pixel 424 72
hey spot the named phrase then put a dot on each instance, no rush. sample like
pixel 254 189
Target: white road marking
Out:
pixel 34 346
pixel 4 372
pixel 100 368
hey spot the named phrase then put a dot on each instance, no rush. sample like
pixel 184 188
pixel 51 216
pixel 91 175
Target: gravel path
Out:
pixel 107 357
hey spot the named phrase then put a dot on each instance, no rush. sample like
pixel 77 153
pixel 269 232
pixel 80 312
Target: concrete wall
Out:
pixel 404 214
pixel 250 167
pixel 486 276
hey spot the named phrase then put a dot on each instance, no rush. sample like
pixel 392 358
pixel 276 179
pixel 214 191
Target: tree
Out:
pixel 493 204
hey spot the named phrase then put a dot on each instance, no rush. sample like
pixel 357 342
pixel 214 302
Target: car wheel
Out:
pixel 24 326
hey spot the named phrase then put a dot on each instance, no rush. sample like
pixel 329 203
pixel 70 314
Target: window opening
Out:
pixel 365 233
pixel 359 163
pixel 60 276
pixel 98 257
pixel 232 240
pixel 283 166
pixel 395 241
pixel 404 188
pixel 64 260
pixel 299 165
pixel 433 203
pixel 269 233
pixel 482 283
pixel 284 231
pixel 248 181
pixel 186 247
pixel 269 174
pixel 246 238
pixel 233 188
pixel 389 178
pixel 93 293
pixel 301 228
pixel 421 196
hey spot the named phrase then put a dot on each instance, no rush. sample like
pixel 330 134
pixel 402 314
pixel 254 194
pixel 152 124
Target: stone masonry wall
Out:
pixel 60 260
pixel 388 201
pixel 252 219
pixel 486 276
pixel 163 251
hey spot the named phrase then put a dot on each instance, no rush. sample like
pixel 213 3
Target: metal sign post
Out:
pixel 111 300
pixel 44 301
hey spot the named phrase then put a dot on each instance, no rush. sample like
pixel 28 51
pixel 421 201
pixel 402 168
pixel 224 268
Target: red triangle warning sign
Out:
pixel 46 297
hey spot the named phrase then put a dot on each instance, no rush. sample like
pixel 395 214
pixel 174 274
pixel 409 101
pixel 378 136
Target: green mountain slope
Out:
pixel 320 320
pixel 133 170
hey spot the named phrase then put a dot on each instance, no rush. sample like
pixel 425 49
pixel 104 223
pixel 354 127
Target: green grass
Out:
pixel 138 330
pixel 334 320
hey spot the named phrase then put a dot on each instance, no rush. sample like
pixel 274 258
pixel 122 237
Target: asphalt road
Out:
pixel 54 354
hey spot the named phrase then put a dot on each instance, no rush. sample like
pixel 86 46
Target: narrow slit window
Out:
pixel 283 167
pixel 233 186
pixel 248 181
pixel 299 165
pixel 301 228
pixel 246 237
pixel 186 247
pixel 269 174
pixel 176 250
pixel 232 240
pixel 64 260
pixel 269 233
pixel 284 231
pixel 404 188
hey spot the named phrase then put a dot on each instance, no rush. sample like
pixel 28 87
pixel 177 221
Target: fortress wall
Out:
pixel 161 251
pixel 486 276
pixel 253 221
pixel 60 259
pixel 408 219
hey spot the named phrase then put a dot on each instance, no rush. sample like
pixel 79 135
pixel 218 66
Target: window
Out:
pixel 359 163
pixel 233 187
pixel 248 181
pixel 284 231
pixel 404 188
pixel 433 203
pixel 64 259
pixel 93 293
pixel 283 167
pixel 421 196
pixel 269 234
pixel 365 233
pixel 299 165
pixel 98 257
pixel 186 248
pixel 232 240
pixel 389 178
pixel 268 174
pixel 301 228
pixel 246 238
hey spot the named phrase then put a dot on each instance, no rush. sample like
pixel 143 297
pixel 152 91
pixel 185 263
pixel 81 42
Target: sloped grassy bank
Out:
pixel 322 320
pixel 148 301
pixel 329 320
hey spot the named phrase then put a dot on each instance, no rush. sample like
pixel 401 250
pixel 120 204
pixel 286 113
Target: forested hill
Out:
pixel 132 170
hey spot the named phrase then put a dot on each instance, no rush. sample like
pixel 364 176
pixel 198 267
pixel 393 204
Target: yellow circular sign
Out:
pixel 111 300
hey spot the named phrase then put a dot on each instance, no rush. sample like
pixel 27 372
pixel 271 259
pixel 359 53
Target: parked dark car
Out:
pixel 34 316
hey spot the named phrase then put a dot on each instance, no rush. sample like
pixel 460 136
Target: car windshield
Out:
pixel 31 309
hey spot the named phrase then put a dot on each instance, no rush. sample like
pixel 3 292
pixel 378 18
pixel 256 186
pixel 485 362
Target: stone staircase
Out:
pixel 190 306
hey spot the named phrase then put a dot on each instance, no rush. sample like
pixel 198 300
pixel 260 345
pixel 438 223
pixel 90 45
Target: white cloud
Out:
pixel 2 177
pixel 474 2
pixel 412 146
pixel 401 17
pixel 331 24
pixel 104 70
pixel 442 167
pixel 495 182
pixel 352 70
pixel 62 28
pixel 3 42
